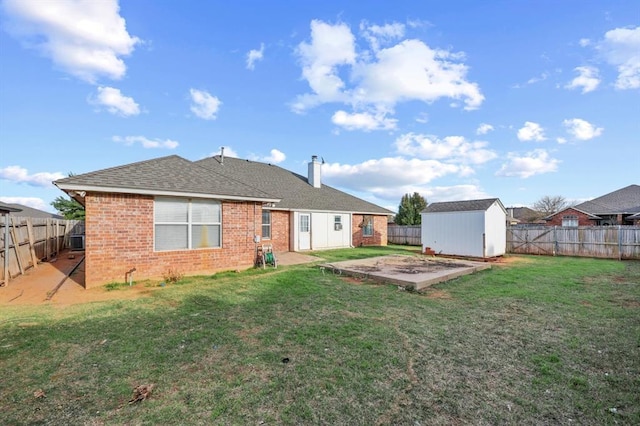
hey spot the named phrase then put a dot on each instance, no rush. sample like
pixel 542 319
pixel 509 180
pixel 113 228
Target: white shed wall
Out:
pixel 454 233
pixel 471 233
pixel 496 231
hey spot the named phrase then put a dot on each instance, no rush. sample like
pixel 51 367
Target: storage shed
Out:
pixel 476 228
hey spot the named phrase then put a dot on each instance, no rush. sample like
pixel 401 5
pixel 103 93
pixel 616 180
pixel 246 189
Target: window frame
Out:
pixel 337 222
pixel 367 226
pixel 570 221
pixel 268 225
pixel 189 223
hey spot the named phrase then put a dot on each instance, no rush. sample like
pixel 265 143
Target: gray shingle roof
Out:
pixel 460 206
pixel 172 174
pixel 235 178
pixel 26 211
pixel 8 208
pixel 294 191
pixel 624 200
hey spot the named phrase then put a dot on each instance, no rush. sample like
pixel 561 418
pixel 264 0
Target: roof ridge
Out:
pixel 210 170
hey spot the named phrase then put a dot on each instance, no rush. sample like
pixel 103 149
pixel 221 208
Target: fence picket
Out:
pixel 43 239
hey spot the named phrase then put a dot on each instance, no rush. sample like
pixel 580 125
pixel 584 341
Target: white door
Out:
pixel 304 232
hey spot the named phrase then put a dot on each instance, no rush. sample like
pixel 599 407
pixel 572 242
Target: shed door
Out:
pixel 304 232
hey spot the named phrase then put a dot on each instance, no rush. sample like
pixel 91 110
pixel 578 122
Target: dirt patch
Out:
pixel 438 294
pixel 585 303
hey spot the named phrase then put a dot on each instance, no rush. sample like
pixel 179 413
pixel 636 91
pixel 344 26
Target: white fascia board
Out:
pixel 88 188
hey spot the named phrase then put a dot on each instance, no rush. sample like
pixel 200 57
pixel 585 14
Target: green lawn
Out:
pixel 539 340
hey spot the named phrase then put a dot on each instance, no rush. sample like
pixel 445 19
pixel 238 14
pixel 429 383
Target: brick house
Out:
pixel 210 215
pixel 620 207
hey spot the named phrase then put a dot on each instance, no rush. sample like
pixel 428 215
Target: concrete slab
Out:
pixel 414 272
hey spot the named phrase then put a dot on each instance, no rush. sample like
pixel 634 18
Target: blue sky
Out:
pixel 454 100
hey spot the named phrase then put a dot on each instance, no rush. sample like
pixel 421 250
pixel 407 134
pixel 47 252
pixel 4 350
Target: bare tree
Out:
pixel 551 204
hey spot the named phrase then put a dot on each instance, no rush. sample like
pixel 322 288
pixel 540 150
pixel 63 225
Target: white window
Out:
pixel 570 220
pixel 304 223
pixel 182 224
pixel 367 226
pixel 266 224
pixel 337 223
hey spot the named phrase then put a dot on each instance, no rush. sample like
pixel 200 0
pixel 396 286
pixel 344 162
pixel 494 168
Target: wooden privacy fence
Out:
pixel 404 234
pixel 613 242
pixel 32 240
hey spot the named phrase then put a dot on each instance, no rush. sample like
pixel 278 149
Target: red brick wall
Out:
pixel 119 237
pixel 583 219
pixel 280 226
pixel 379 237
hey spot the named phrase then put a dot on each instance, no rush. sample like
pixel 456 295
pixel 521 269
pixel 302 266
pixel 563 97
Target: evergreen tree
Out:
pixel 69 208
pixel 410 208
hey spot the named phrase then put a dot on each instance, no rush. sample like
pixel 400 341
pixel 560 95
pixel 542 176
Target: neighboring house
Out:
pixel 621 207
pixel 210 215
pixel 26 211
pixel 524 216
pixel 476 228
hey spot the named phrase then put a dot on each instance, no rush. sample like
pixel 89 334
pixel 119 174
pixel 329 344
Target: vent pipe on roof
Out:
pixel 314 172
pixel 222 155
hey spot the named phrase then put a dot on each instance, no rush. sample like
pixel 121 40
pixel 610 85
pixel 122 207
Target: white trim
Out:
pixel 154 192
pixel 329 211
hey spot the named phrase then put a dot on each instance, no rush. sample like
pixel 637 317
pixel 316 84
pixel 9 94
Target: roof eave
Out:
pixel 69 188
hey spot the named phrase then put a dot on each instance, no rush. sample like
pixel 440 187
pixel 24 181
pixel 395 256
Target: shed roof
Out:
pixel 462 206
pixel 293 190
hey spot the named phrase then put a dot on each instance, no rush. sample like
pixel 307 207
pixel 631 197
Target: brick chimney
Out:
pixel 314 172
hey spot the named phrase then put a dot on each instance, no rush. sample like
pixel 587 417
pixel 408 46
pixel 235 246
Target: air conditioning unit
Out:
pixel 76 242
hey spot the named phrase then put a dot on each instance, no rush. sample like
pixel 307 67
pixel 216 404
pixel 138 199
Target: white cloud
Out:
pixel 331 46
pixel 588 79
pixel 378 175
pixel 621 48
pixel 411 70
pixel 86 39
pixel 561 140
pixel 146 142
pixel 254 55
pixel 484 128
pixel 204 104
pixel 33 202
pixel 584 42
pixel 381 34
pixel 275 157
pixel 452 148
pixel 581 129
pixel 531 132
pixel 363 121
pixel 376 81
pixel 532 163
pixel 454 193
pixel 115 102
pixel 21 175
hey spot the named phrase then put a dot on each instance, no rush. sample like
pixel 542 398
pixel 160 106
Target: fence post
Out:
pixel 619 242
pixel 16 245
pixel 32 242
pixel 555 240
